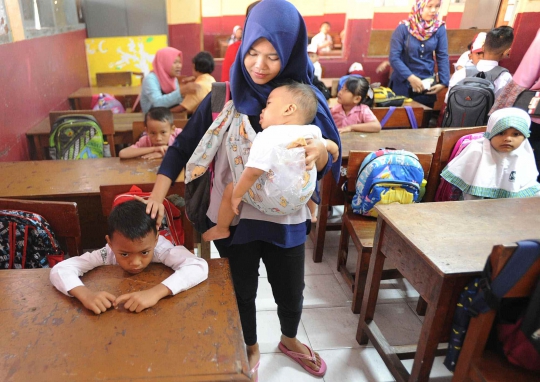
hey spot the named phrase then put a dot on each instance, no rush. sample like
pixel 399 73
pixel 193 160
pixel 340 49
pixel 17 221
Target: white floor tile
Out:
pixel 355 365
pixel 439 372
pixel 331 328
pixel 312 268
pixel 269 332
pixel 277 367
pixel 265 298
pixel 323 291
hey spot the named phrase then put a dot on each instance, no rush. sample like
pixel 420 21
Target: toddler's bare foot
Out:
pixel 216 233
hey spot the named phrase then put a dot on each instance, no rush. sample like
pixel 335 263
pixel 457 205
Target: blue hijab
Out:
pixel 280 23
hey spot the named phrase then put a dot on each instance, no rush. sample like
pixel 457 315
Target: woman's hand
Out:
pixel 316 154
pixel 435 89
pixel 416 84
pixel 154 208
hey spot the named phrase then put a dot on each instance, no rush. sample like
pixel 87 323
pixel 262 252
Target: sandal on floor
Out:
pixel 299 356
pixel 255 368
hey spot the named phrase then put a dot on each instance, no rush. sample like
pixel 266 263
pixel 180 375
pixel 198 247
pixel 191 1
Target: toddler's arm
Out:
pixel 65 277
pixel 247 179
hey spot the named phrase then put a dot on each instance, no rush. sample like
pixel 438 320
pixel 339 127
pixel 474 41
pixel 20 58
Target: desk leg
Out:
pixel 432 327
pixel 373 283
pixel 318 233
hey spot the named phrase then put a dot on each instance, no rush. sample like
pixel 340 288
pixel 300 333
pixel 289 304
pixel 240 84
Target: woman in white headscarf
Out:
pixel 500 165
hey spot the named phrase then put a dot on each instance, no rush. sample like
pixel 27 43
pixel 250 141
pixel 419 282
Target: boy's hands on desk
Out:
pixel 159 152
pixel 139 301
pixel 97 302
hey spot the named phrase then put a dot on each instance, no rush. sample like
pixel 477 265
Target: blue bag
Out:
pixel 387 176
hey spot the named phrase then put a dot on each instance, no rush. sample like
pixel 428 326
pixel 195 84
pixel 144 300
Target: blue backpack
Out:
pixel 387 176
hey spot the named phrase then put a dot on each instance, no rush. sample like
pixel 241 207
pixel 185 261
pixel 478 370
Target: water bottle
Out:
pixel 106 150
pixel 101 102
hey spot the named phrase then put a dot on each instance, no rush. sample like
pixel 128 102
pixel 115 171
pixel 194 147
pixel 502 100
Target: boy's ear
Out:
pixel 108 240
pixel 506 53
pixel 291 108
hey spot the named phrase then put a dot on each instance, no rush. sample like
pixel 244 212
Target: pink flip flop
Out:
pixel 299 356
pixel 255 368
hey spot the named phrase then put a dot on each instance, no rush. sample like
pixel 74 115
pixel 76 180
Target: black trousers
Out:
pixel 285 269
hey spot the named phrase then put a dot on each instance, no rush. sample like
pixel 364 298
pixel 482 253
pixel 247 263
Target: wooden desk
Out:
pixel 193 336
pixel 80 100
pixel 438 248
pixel 78 181
pixel 38 136
pixel 419 140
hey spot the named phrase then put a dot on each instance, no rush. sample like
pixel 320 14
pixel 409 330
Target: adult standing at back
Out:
pixel 322 40
pixel 160 87
pixel 411 53
pixel 274 49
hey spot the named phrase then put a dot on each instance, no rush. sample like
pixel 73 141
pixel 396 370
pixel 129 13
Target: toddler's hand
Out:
pixel 235 202
pixel 138 301
pixel 97 302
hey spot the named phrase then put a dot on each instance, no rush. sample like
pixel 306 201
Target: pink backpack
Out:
pixel 446 191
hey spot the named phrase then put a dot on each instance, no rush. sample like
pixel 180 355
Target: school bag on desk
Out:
pixel 76 136
pixel 384 97
pixel 387 176
pixel 470 100
pixel 27 241
pixel 171 227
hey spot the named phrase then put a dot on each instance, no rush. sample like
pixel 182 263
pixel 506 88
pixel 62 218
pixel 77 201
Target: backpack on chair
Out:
pixel 387 176
pixel 470 100
pixel 76 136
pixel 27 241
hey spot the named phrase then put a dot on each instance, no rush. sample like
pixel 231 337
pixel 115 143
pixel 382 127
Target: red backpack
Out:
pixel 171 228
pixel 446 191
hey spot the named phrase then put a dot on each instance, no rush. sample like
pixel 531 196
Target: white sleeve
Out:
pixel 190 270
pixel 261 149
pixel 501 82
pixel 318 39
pixel 65 275
pixel 317 70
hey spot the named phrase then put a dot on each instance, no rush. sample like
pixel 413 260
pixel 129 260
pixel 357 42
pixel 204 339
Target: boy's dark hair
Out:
pixel 131 220
pixel 359 86
pixel 305 99
pixel 204 62
pixel 162 114
pixel 499 39
pixel 326 22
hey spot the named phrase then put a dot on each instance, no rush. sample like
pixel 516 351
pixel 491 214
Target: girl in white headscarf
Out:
pixel 500 165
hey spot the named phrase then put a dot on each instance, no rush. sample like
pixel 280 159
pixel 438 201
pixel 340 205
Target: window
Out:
pixel 5 32
pixel 47 17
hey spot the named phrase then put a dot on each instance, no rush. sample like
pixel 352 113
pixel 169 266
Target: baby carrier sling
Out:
pixel 198 190
pixel 470 100
pixel 27 241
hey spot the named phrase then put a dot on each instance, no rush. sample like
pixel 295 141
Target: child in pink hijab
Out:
pixel 160 87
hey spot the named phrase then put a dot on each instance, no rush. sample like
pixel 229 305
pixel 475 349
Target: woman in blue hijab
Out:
pixel 273 50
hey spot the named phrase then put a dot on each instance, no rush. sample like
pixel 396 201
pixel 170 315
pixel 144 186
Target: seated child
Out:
pixel 496 47
pixel 133 242
pixel 288 109
pixel 352 113
pixel 160 134
pixel 314 58
pixel 500 165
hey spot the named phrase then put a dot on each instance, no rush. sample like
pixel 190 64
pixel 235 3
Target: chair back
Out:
pixel 445 144
pixel 104 118
pixel 399 118
pixel 109 192
pixel 63 217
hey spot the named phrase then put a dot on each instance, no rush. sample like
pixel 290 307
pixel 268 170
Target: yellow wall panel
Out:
pixel 122 54
pixel 183 12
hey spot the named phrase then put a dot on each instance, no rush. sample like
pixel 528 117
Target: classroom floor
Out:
pixel 329 326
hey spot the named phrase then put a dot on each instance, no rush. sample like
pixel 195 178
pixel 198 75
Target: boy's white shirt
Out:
pixel 482 66
pixel 317 70
pixel 189 269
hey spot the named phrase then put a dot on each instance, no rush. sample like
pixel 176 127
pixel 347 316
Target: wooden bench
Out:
pixel 475 362
pixel 63 217
pixel 109 192
pixel 445 144
pixel 361 229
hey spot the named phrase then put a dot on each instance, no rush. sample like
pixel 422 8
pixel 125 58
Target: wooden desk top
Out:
pixel 193 336
pixel 457 237
pixel 112 90
pixel 33 179
pixel 417 140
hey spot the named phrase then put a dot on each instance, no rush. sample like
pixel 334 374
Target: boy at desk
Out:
pixel 133 242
